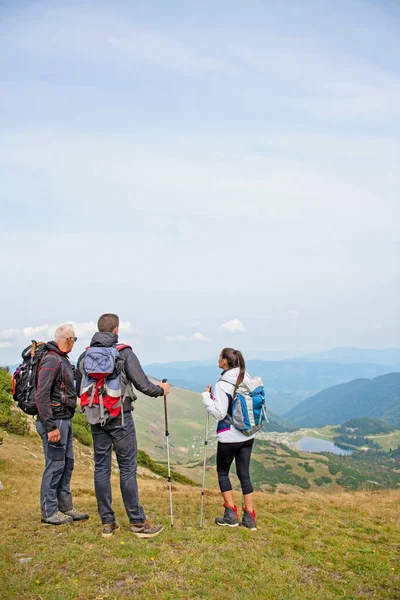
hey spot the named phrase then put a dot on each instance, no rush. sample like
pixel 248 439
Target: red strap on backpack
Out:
pixel 120 347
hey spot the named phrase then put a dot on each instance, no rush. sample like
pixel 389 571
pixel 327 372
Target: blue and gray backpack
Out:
pixel 247 411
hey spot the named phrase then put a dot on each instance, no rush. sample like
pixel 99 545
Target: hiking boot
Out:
pixel 109 528
pixel 145 530
pixel 249 520
pixel 230 517
pixel 57 519
pixel 76 515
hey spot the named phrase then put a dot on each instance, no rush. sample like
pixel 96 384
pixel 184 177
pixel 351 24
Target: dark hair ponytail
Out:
pixel 235 359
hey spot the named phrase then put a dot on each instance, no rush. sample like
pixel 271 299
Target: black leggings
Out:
pixel 241 452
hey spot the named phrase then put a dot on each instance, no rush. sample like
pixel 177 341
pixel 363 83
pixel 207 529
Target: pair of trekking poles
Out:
pixel 169 463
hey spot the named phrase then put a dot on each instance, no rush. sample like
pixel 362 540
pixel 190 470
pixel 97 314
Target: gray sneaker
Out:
pixel 76 515
pixel 230 517
pixel 109 528
pixel 249 520
pixel 145 530
pixel 57 519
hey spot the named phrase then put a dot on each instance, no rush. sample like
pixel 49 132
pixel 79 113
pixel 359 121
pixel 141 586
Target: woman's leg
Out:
pixel 248 500
pixel 242 460
pixel 225 455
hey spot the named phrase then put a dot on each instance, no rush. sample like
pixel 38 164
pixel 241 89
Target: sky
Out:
pixel 217 173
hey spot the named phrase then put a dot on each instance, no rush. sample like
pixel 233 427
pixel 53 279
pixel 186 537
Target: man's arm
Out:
pixel 47 374
pixel 137 376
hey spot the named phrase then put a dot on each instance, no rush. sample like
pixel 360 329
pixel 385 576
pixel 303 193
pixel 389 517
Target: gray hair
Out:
pixel 63 331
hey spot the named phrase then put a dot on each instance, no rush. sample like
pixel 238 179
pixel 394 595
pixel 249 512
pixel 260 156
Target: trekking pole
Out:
pixel 204 470
pixel 169 463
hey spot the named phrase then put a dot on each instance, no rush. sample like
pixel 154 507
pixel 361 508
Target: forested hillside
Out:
pixel 377 398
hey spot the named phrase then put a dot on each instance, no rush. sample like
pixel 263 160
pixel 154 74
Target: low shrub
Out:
pixel 81 429
pixel 309 468
pixel 82 434
pixel 334 469
pixel 12 420
pixel 322 481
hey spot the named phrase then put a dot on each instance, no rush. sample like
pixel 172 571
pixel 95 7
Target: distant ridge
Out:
pixel 376 398
pixel 286 382
pixel 352 354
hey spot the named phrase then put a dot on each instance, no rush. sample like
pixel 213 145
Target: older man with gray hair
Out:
pixel 56 403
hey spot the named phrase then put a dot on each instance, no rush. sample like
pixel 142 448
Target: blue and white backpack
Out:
pixel 248 406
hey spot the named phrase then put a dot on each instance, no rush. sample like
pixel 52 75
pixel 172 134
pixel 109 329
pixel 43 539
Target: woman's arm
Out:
pixel 218 407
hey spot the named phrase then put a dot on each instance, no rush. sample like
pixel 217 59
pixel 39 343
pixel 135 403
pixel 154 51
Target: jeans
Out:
pixel 123 439
pixel 241 452
pixel 55 491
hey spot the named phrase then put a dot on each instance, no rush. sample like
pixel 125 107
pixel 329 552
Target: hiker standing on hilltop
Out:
pixel 56 403
pixel 111 422
pixel 232 443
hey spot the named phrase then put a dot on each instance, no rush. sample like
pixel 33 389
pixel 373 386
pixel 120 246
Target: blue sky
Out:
pixel 193 166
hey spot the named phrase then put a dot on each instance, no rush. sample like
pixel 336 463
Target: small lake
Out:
pixel 311 444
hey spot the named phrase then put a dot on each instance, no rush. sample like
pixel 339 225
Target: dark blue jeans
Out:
pixel 55 491
pixel 123 439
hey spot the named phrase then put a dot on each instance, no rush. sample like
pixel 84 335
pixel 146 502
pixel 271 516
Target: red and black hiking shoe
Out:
pixel 249 520
pixel 230 518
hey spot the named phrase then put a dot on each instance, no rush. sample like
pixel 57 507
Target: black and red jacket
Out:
pixel 55 391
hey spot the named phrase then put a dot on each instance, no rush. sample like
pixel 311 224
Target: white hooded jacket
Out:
pixel 219 404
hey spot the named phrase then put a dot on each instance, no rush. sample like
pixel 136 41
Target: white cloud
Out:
pixel 9 334
pixel 199 337
pixel 292 313
pixel 16 337
pixel 377 326
pixel 83 329
pixel 234 326
pixel 5 345
pixel 196 337
pixel 176 338
pixel 193 324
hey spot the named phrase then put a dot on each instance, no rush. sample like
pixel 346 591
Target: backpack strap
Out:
pixel 128 385
pixel 120 347
pixel 226 381
pixel 101 404
pixel 92 393
pixel 228 417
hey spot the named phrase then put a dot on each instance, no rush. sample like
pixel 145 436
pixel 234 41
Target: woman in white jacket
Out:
pixel 232 443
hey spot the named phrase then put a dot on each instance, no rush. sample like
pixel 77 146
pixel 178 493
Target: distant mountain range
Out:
pixel 287 383
pixel 379 397
pixel 350 354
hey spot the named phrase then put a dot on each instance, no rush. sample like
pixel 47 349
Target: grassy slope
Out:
pixel 308 546
pixel 322 433
pixel 186 422
pixel 391 441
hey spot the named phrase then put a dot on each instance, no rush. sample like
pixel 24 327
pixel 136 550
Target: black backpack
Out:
pixel 24 379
